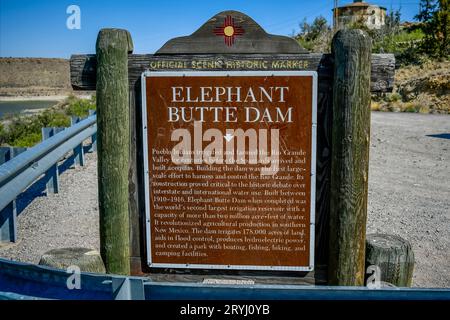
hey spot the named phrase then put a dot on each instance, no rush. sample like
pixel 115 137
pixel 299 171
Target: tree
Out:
pixel 311 32
pixel 443 27
pixel 426 10
pixel 305 27
pixel 435 18
pixel 319 26
pixel 315 36
pixel 392 25
pixel 384 39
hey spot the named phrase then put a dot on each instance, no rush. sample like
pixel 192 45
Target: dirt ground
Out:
pixel 409 188
pixel 409 195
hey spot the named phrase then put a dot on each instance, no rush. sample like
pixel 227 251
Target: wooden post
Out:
pixel 350 157
pixel 113 46
pixel 393 255
pixel 88 260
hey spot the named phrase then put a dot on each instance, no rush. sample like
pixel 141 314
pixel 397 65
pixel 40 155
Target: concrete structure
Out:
pixel 372 16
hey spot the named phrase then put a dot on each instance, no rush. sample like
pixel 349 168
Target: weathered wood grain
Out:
pixel 136 184
pixel 82 67
pixel 323 166
pixel 113 46
pixel 393 255
pixel 350 157
pixel 88 260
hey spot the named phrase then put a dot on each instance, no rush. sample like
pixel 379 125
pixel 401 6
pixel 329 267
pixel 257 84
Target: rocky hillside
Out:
pixel 34 77
pixel 421 88
pixel 424 88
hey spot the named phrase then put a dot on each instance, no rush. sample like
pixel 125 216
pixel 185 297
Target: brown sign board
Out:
pixel 229 165
pixel 227 43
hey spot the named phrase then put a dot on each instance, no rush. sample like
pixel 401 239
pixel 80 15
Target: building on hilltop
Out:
pixel 373 16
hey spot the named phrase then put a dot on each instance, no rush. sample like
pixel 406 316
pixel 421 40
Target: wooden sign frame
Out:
pixel 257 50
pixel 312 191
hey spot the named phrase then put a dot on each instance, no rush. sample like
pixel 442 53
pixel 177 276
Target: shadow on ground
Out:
pixel 440 135
pixel 38 188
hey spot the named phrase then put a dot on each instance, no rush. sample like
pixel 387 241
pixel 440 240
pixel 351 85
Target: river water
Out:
pixel 24 107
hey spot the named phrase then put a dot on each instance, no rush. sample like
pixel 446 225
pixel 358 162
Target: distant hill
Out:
pixel 34 77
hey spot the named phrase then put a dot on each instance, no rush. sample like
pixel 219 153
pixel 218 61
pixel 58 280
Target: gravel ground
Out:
pixel 66 219
pixel 409 195
pixel 409 188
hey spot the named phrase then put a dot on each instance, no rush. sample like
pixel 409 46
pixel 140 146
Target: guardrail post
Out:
pixel 78 152
pixel 52 174
pixel 19 173
pixel 94 136
pixel 350 157
pixel 8 216
pixel 112 48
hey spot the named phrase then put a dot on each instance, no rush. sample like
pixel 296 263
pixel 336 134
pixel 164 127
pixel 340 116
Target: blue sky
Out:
pixel 38 28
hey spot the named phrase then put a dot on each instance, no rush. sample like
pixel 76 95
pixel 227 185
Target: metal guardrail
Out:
pixel 21 171
pixel 25 281
pixel 21 281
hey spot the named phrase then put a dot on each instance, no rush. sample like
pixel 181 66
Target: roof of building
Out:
pixel 360 4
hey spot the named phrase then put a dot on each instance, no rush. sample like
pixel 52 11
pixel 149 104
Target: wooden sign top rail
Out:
pixel 83 67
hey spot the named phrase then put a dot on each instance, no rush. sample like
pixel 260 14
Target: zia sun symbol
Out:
pixel 229 31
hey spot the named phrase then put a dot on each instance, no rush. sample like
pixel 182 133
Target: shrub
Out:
pixel 424 109
pixel 80 107
pixel 315 37
pixel 2 134
pixel 25 131
pixel 434 16
pixel 28 140
pixel 375 106
pixel 393 97
pixel 410 107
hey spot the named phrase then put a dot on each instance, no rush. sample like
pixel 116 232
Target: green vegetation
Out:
pixel 434 16
pixel 416 43
pixel 2 130
pixel 400 43
pixel 420 88
pixel 393 102
pixel 421 49
pixel 315 37
pixel 393 97
pixel 79 107
pixel 391 38
pixel 412 43
pixel 403 41
pixel 25 131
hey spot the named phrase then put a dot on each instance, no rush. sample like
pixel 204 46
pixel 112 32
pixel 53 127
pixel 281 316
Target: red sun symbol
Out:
pixel 229 31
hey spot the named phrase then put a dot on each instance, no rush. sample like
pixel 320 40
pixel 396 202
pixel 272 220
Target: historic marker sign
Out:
pixel 211 200
pixel 230 169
